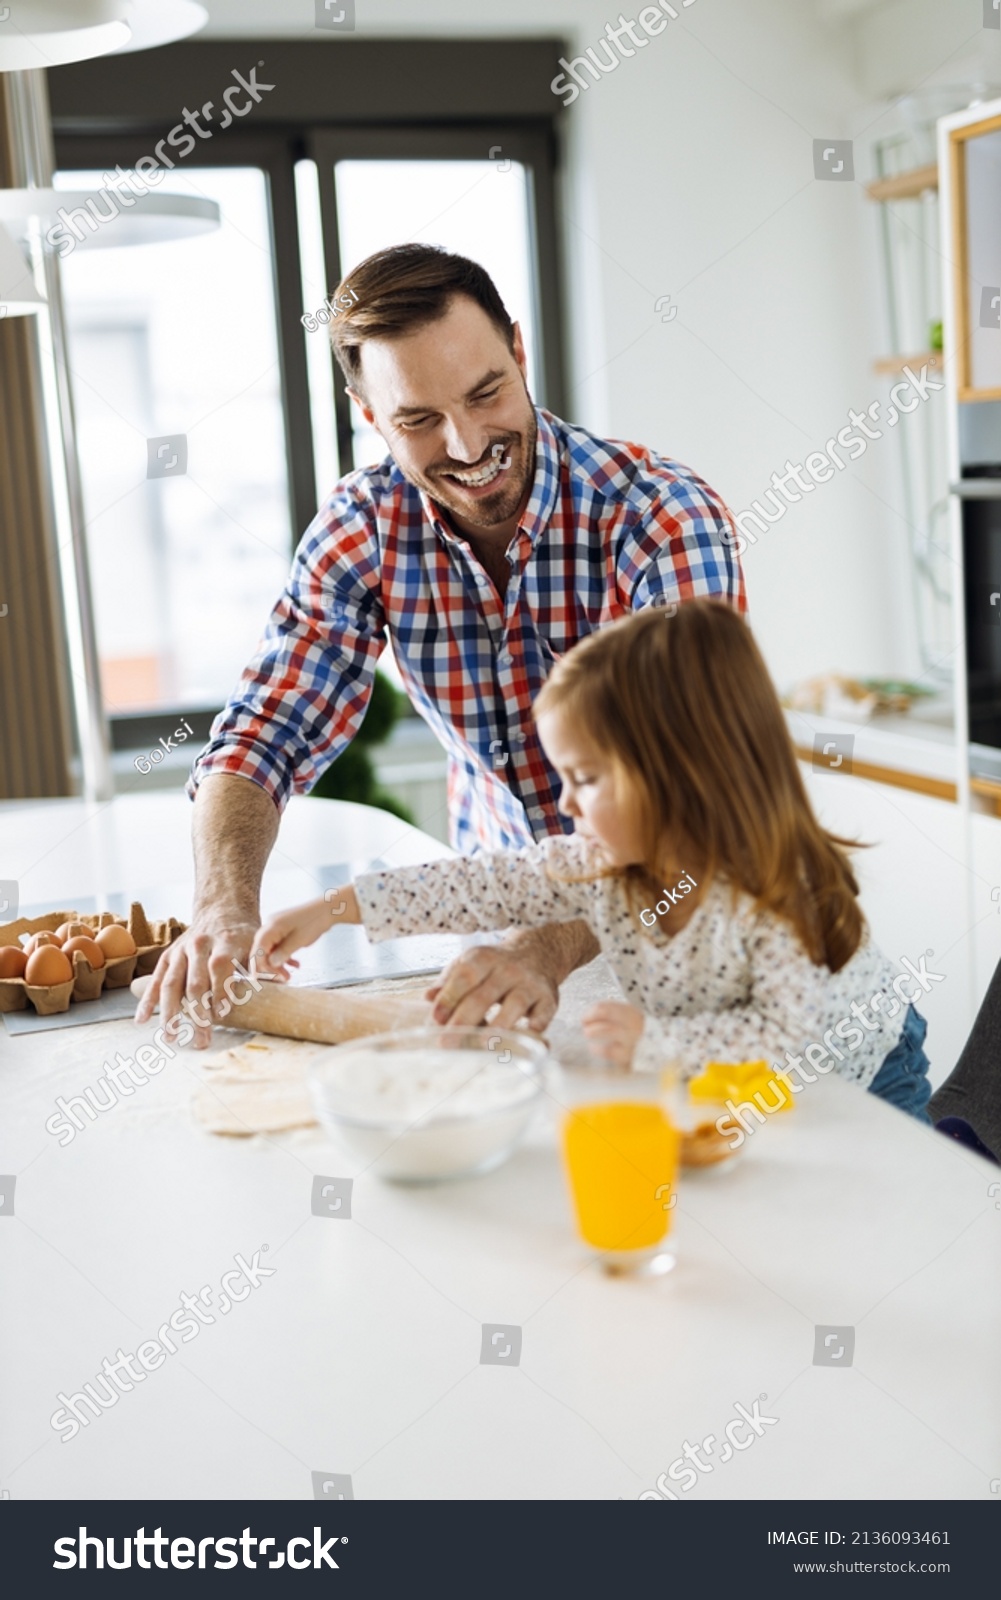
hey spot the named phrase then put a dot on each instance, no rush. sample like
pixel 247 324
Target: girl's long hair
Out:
pixel 685 706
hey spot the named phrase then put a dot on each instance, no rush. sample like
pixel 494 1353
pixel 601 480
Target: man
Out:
pixel 490 540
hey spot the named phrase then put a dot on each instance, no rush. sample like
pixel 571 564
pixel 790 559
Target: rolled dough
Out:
pixel 260 1086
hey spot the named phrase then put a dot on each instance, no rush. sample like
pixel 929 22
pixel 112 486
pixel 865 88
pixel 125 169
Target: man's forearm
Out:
pixel 235 826
pixel 557 949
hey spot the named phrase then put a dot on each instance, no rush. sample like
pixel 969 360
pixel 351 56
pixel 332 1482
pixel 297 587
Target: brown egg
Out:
pixel 73 930
pixel 88 948
pixel 12 961
pixel 116 941
pixel 47 966
pixel 37 940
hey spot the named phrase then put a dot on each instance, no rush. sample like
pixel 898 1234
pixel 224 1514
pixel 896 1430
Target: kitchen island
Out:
pixel 836 1304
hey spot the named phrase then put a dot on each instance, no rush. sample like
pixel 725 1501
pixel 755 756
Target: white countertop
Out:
pixel 921 741
pixel 359 1356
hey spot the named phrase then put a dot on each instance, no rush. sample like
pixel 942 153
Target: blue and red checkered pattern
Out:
pixel 609 528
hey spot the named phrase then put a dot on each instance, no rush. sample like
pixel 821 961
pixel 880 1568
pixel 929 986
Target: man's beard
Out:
pixel 490 509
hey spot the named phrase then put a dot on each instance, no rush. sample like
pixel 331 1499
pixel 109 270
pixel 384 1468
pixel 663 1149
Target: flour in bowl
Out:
pixel 391 1088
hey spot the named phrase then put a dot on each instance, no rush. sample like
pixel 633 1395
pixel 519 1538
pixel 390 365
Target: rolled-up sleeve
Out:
pixel 303 695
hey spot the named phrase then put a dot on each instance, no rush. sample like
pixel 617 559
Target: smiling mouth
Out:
pixel 481 477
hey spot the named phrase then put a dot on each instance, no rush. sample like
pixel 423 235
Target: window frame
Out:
pixel 421 107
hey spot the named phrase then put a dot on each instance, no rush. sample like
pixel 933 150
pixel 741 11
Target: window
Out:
pixel 204 337
pixel 171 339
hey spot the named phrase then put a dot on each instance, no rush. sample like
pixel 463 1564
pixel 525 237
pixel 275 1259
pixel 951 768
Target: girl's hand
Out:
pixel 291 930
pixel 613 1030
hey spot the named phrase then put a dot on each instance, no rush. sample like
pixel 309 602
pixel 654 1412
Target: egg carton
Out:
pixel 151 939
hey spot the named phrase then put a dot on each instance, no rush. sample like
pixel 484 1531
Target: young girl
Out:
pixel 729 916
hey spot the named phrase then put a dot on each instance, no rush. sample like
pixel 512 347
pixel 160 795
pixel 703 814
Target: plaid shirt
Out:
pixel 609 528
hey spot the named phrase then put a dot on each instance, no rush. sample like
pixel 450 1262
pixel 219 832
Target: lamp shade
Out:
pixel 93 219
pixel 18 295
pixel 49 33
pixel 155 22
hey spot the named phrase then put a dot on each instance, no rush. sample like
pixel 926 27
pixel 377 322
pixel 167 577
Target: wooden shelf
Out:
pixel 906 186
pixel 940 788
pixel 989 791
pixel 891 366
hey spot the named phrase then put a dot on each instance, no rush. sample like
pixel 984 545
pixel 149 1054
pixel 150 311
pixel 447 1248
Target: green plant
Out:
pixel 351 776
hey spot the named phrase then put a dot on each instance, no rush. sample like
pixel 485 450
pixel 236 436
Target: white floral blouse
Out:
pixel 733 984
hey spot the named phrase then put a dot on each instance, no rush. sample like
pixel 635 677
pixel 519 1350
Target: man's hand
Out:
pixel 491 975
pixel 234 826
pixel 194 968
pixel 521 976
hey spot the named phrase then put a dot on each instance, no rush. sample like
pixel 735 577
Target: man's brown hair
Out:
pixel 402 289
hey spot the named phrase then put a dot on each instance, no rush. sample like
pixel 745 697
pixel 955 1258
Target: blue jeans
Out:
pixel 903 1077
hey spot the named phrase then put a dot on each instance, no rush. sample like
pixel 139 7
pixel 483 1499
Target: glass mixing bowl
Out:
pixel 427 1104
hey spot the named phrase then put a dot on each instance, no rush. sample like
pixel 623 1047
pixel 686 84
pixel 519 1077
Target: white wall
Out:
pixel 697 157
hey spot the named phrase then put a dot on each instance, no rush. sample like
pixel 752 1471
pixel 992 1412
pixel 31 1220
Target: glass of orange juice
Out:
pixel 620 1152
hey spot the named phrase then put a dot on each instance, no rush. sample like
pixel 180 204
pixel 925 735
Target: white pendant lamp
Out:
pixel 156 22
pixel 93 219
pixel 49 33
pixel 18 295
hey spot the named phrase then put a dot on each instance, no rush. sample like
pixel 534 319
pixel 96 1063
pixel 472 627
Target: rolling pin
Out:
pixel 321 1015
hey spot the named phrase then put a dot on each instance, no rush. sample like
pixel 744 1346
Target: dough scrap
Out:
pixel 260 1086
pixel 257 1087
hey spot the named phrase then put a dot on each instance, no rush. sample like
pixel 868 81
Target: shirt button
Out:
pixel 482 579
pixel 504 659
pixel 536 813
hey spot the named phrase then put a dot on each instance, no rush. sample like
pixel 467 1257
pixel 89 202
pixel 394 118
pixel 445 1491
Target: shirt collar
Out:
pixel 545 488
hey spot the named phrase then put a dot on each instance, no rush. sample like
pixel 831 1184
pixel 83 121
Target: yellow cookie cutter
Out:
pixel 728 1080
